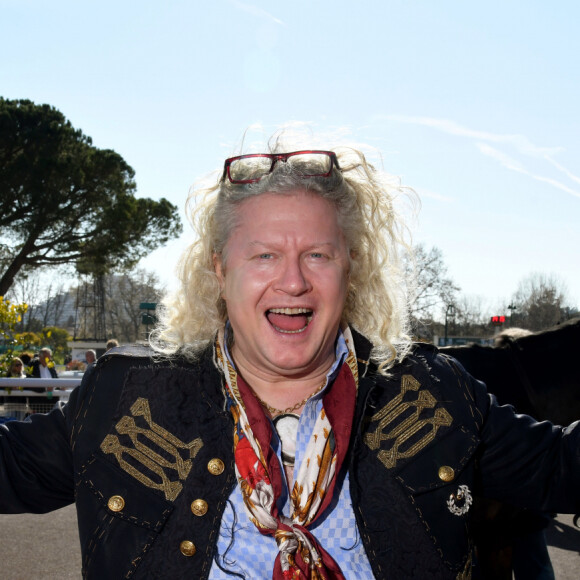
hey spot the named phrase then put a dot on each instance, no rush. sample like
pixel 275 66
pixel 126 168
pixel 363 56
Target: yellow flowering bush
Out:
pixel 10 315
pixel 28 340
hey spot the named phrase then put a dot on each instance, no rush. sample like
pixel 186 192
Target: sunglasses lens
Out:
pixel 310 164
pixel 249 168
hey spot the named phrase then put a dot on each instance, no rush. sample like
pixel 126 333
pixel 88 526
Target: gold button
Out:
pixel 216 466
pixel 116 503
pixel 446 473
pixel 199 507
pixel 187 548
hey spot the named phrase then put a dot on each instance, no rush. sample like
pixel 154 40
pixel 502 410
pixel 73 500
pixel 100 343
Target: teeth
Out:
pixel 290 310
pixel 290 331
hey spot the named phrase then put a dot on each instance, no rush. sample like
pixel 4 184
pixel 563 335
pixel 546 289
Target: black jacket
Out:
pixel 35 364
pixel 140 443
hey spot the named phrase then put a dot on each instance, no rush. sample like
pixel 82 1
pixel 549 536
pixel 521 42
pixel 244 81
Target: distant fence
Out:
pixel 22 397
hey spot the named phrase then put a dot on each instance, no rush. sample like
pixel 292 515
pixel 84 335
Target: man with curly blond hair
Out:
pixel 283 425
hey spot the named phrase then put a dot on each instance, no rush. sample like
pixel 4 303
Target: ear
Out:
pixel 219 272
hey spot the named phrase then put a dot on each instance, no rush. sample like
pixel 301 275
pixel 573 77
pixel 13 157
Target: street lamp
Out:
pixel 449 310
pixel 511 308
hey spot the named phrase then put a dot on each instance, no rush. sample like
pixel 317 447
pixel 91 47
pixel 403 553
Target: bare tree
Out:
pixel 429 288
pixel 46 296
pixel 123 294
pixel 53 303
pixel 540 302
pixel 26 290
pixel 472 317
pixel 73 306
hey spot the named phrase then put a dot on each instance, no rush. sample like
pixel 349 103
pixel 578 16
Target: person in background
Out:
pixel 90 358
pixel 43 366
pixel 26 358
pixel 15 371
pixel 16 368
pixel 112 343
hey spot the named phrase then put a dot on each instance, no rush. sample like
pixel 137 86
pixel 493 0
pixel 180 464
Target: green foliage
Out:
pixel 64 201
pixel 56 339
pixel 28 340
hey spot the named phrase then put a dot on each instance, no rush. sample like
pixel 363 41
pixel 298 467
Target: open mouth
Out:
pixel 289 320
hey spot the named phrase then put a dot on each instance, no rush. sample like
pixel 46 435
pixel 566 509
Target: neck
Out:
pixel 281 393
pixel 294 409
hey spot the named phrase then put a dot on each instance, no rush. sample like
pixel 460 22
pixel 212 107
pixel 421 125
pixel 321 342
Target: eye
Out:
pixel 317 255
pixel 265 256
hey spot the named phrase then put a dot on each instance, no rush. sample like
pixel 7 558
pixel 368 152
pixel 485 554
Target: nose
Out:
pixel 293 278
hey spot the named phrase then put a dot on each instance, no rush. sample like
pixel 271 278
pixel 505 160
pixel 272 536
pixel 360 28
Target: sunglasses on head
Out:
pixel 251 168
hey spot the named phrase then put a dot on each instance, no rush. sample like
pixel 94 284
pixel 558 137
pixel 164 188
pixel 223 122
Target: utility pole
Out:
pixel 449 310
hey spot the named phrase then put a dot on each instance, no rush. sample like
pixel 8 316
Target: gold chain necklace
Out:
pixel 273 411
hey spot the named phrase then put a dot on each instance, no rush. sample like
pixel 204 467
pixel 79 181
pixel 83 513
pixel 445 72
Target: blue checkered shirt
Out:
pixel 243 551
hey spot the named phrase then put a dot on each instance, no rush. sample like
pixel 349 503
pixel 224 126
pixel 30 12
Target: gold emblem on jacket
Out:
pixel 401 424
pixel 155 455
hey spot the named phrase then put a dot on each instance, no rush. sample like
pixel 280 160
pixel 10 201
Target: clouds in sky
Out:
pixel 256 11
pixel 483 140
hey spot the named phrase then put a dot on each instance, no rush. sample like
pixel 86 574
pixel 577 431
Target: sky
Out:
pixel 473 105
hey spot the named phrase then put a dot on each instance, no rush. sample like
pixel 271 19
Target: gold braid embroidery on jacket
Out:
pixel 403 417
pixel 151 459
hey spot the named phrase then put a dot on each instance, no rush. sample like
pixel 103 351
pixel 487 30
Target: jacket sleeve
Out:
pixel 524 462
pixel 530 464
pixel 36 466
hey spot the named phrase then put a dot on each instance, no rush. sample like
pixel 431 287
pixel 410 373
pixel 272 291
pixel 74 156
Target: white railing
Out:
pixel 23 397
pixel 35 386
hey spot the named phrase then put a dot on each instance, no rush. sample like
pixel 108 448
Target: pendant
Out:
pixel 286 426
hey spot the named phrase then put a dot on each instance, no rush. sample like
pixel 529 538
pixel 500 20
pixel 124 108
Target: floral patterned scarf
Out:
pixel 260 474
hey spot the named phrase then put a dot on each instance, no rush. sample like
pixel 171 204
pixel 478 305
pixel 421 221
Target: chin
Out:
pixel 293 365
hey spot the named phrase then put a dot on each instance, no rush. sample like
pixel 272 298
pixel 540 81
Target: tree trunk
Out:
pixel 8 277
pixel 19 260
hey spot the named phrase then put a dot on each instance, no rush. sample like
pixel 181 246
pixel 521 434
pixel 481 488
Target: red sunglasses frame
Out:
pixel 275 157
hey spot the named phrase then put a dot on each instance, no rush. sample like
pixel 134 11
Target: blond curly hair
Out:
pixel 364 200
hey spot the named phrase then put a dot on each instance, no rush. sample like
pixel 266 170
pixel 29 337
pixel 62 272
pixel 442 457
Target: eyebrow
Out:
pixel 256 243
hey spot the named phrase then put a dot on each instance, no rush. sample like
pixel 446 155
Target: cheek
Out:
pixel 242 287
pixel 338 281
